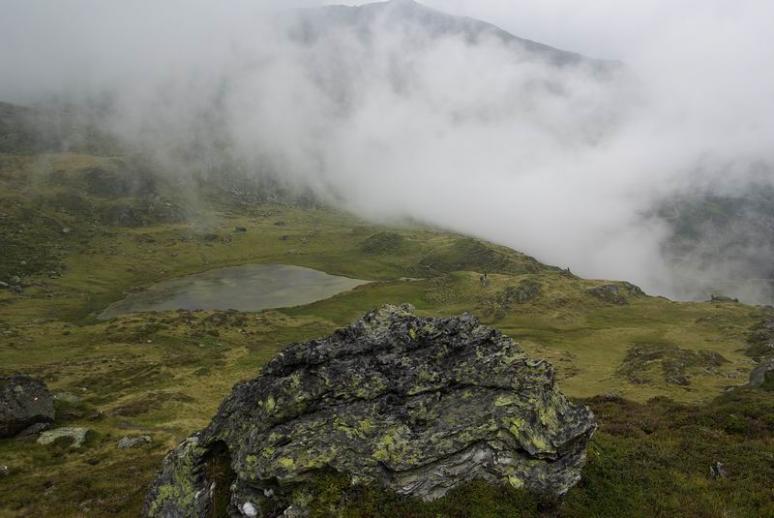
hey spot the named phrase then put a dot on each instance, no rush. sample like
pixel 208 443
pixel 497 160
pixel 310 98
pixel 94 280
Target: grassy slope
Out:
pixel 164 374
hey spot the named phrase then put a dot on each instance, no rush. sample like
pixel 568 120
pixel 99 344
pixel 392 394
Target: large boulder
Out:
pixel 416 405
pixel 24 401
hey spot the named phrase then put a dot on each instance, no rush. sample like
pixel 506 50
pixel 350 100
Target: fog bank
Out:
pixel 390 118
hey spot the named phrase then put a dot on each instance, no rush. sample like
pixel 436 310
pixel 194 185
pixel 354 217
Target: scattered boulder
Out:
pixel 134 442
pixel 763 375
pixel 74 436
pixel 24 401
pixel 718 471
pixel 617 293
pixel 4 471
pixel 416 405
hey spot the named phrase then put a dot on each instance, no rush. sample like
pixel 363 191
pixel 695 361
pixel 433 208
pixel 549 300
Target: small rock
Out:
pixel 24 401
pixel 66 230
pixel 4 471
pixel 75 434
pixel 134 442
pixel 248 509
pixel 718 471
pixel 4 285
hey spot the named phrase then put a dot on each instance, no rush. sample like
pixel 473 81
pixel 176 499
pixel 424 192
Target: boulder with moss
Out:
pixel 415 405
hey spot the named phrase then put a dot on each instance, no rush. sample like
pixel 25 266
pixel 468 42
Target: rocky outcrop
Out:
pixel 763 374
pixel 416 405
pixel 618 293
pixel 24 401
pixel 71 436
pixel 760 339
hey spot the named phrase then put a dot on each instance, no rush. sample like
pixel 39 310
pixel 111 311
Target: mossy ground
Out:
pixel 165 374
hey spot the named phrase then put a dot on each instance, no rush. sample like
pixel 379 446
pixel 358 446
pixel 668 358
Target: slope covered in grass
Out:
pixel 164 374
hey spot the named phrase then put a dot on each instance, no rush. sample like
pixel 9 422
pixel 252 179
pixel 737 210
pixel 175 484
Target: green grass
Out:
pixel 165 374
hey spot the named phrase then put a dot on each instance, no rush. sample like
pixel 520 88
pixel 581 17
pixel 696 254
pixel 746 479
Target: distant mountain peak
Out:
pixel 435 23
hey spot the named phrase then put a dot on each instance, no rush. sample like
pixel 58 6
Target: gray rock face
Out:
pixel 763 374
pixel 75 436
pixel 416 405
pixel 134 442
pixel 24 401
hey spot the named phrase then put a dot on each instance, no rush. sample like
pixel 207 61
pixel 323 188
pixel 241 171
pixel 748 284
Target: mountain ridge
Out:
pixel 439 23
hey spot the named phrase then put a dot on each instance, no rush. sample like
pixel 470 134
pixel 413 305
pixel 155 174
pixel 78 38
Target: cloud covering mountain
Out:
pixel 396 110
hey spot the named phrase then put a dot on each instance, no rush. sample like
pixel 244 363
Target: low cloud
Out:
pixel 563 163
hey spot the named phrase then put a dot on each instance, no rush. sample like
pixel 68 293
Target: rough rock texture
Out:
pixel 134 442
pixel 761 340
pixel 24 401
pixel 74 437
pixel 763 374
pixel 417 405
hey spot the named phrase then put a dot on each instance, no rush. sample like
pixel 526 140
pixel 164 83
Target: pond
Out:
pixel 244 288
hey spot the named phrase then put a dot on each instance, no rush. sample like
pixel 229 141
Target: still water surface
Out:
pixel 244 288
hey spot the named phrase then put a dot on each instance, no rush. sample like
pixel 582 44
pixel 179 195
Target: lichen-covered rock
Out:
pixel 72 436
pixel 24 401
pixel 417 405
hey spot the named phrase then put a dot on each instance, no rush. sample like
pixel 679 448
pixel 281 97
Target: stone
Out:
pixel 718 471
pixel 248 509
pixel 134 442
pixel 4 285
pixel 414 405
pixel 763 374
pixel 75 435
pixel 617 293
pixel 24 401
pixel 4 471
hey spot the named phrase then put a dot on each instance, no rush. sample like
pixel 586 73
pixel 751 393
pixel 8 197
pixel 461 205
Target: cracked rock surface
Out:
pixel 416 405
